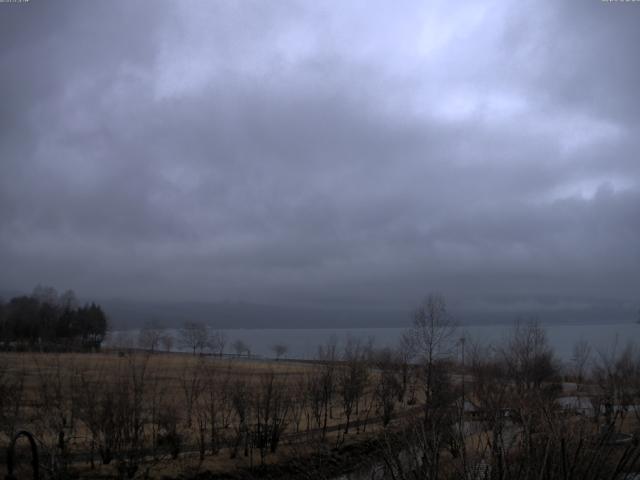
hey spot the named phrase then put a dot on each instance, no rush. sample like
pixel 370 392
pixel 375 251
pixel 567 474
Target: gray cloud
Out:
pixel 321 154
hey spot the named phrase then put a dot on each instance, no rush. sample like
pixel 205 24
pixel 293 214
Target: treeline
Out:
pixel 47 321
pixel 437 406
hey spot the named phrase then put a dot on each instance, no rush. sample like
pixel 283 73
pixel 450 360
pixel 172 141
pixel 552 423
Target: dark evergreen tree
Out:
pixel 44 320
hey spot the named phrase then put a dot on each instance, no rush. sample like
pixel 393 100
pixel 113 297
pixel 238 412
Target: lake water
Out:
pixel 303 343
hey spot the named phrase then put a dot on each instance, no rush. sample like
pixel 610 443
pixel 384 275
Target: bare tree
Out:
pixel 325 382
pixel 241 399
pixel 279 350
pixel 315 395
pixel 352 378
pixel 528 356
pixel 122 340
pixel 299 400
pixel 12 393
pixel 193 336
pixel 150 336
pixel 156 405
pixel 217 342
pixel 240 347
pixel 432 332
pixel 96 410
pixel 54 409
pixel 169 434
pixel 68 300
pixel 521 432
pixel 580 359
pixel 403 355
pixel 216 404
pixel 132 413
pixel 533 372
pixel 387 386
pixel 491 391
pixel 432 340
pixel 167 342
pixel 271 406
pixel 111 404
pixel 45 294
pixel 192 383
pixel 616 372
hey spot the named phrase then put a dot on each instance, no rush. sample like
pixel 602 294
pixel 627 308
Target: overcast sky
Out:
pixel 324 153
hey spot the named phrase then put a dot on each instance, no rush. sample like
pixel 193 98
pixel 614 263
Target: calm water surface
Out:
pixel 303 343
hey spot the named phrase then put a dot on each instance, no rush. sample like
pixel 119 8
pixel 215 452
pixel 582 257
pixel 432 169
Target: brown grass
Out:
pixel 167 371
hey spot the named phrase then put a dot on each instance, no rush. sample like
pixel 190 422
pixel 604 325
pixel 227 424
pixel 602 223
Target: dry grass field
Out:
pixel 135 414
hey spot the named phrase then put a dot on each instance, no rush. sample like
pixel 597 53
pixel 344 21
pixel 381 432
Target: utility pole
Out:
pixel 462 408
pixel 462 342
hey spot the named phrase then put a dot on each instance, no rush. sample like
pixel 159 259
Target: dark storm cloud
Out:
pixel 322 153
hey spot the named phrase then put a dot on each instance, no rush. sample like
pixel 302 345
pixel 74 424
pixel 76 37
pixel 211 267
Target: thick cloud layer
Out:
pixel 322 153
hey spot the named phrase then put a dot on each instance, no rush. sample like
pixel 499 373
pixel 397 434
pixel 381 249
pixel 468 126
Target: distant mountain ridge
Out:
pixel 126 313
pixel 132 314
